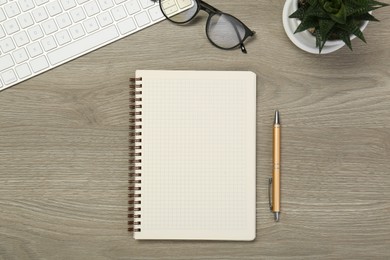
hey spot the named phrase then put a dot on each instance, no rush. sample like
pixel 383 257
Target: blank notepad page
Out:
pixel 198 155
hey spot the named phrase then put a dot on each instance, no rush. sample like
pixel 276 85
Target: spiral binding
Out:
pixel 135 134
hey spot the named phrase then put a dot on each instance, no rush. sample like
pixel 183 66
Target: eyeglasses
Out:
pixel 223 30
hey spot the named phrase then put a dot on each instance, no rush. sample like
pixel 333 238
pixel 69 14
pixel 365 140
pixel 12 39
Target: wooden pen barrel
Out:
pixel 276 170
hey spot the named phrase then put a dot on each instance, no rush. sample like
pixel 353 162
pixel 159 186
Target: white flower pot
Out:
pixel 305 40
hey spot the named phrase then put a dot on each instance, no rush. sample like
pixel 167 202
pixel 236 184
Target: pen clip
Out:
pixel 269 193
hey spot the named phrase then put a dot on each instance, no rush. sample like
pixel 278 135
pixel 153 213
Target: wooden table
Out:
pixel 64 150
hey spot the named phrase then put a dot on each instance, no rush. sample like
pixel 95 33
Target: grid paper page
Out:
pixel 198 155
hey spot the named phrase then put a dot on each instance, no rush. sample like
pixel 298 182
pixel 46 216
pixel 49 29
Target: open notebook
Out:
pixel 193 152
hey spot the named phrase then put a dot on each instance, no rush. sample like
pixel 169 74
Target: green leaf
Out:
pixel 307 22
pixel 340 16
pixel 354 9
pixel 299 13
pixel 312 2
pixel 317 11
pixel 322 44
pixel 318 40
pixel 356 6
pixel 331 6
pixel 377 3
pixel 365 17
pixel 357 2
pixel 345 38
pixel 325 26
pixel 352 28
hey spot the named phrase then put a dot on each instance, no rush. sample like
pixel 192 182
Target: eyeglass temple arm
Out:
pixel 242 46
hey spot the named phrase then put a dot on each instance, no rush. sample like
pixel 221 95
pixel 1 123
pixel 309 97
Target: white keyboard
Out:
pixel 38 35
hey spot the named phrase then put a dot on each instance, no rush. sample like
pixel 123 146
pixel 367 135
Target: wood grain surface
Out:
pixel 64 150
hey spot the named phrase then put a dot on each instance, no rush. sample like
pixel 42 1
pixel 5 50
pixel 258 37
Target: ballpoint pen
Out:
pixel 275 180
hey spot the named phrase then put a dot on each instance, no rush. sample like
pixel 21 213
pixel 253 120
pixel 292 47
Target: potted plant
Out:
pixel 324 26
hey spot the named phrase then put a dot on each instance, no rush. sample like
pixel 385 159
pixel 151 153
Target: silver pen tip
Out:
pixel 277 216
pixel 277 118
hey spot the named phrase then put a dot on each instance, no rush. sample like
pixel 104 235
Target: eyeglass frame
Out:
pixel 211 10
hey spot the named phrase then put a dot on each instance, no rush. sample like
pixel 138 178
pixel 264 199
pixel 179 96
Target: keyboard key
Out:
pixel 39 14
pixel 118 13
pixel 39 64
pixel 6 62
pixel 170 6
pixel 2 15
pixel 20 55
pixel 41 2
pixel 34 49
pixel 35 32
pixel 68 4
pixel 63 20
pixel 8 77
pixel 155 13
pixel 2 33
pixel 77 14
pixel 25 20
pixel 184 3
pixel 26 5
pixel 146 3
pixel 127 26
pixel 7 45
pixel 90 25
pixel 11 26
pixel 23 71
pixel 132 7
pixel 12 9
pixel 104 19
pixel 54 8
pixel 62 37
pixel 77 31
pixel 105 4
pixel 49 26
pixel 21 38
pixel 91 8
pixel 48 43
pixel 83 45
pixel 142 19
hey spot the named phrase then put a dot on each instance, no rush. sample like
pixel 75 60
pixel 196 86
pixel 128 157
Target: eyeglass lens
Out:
pixel 181 12
pixel 223 30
